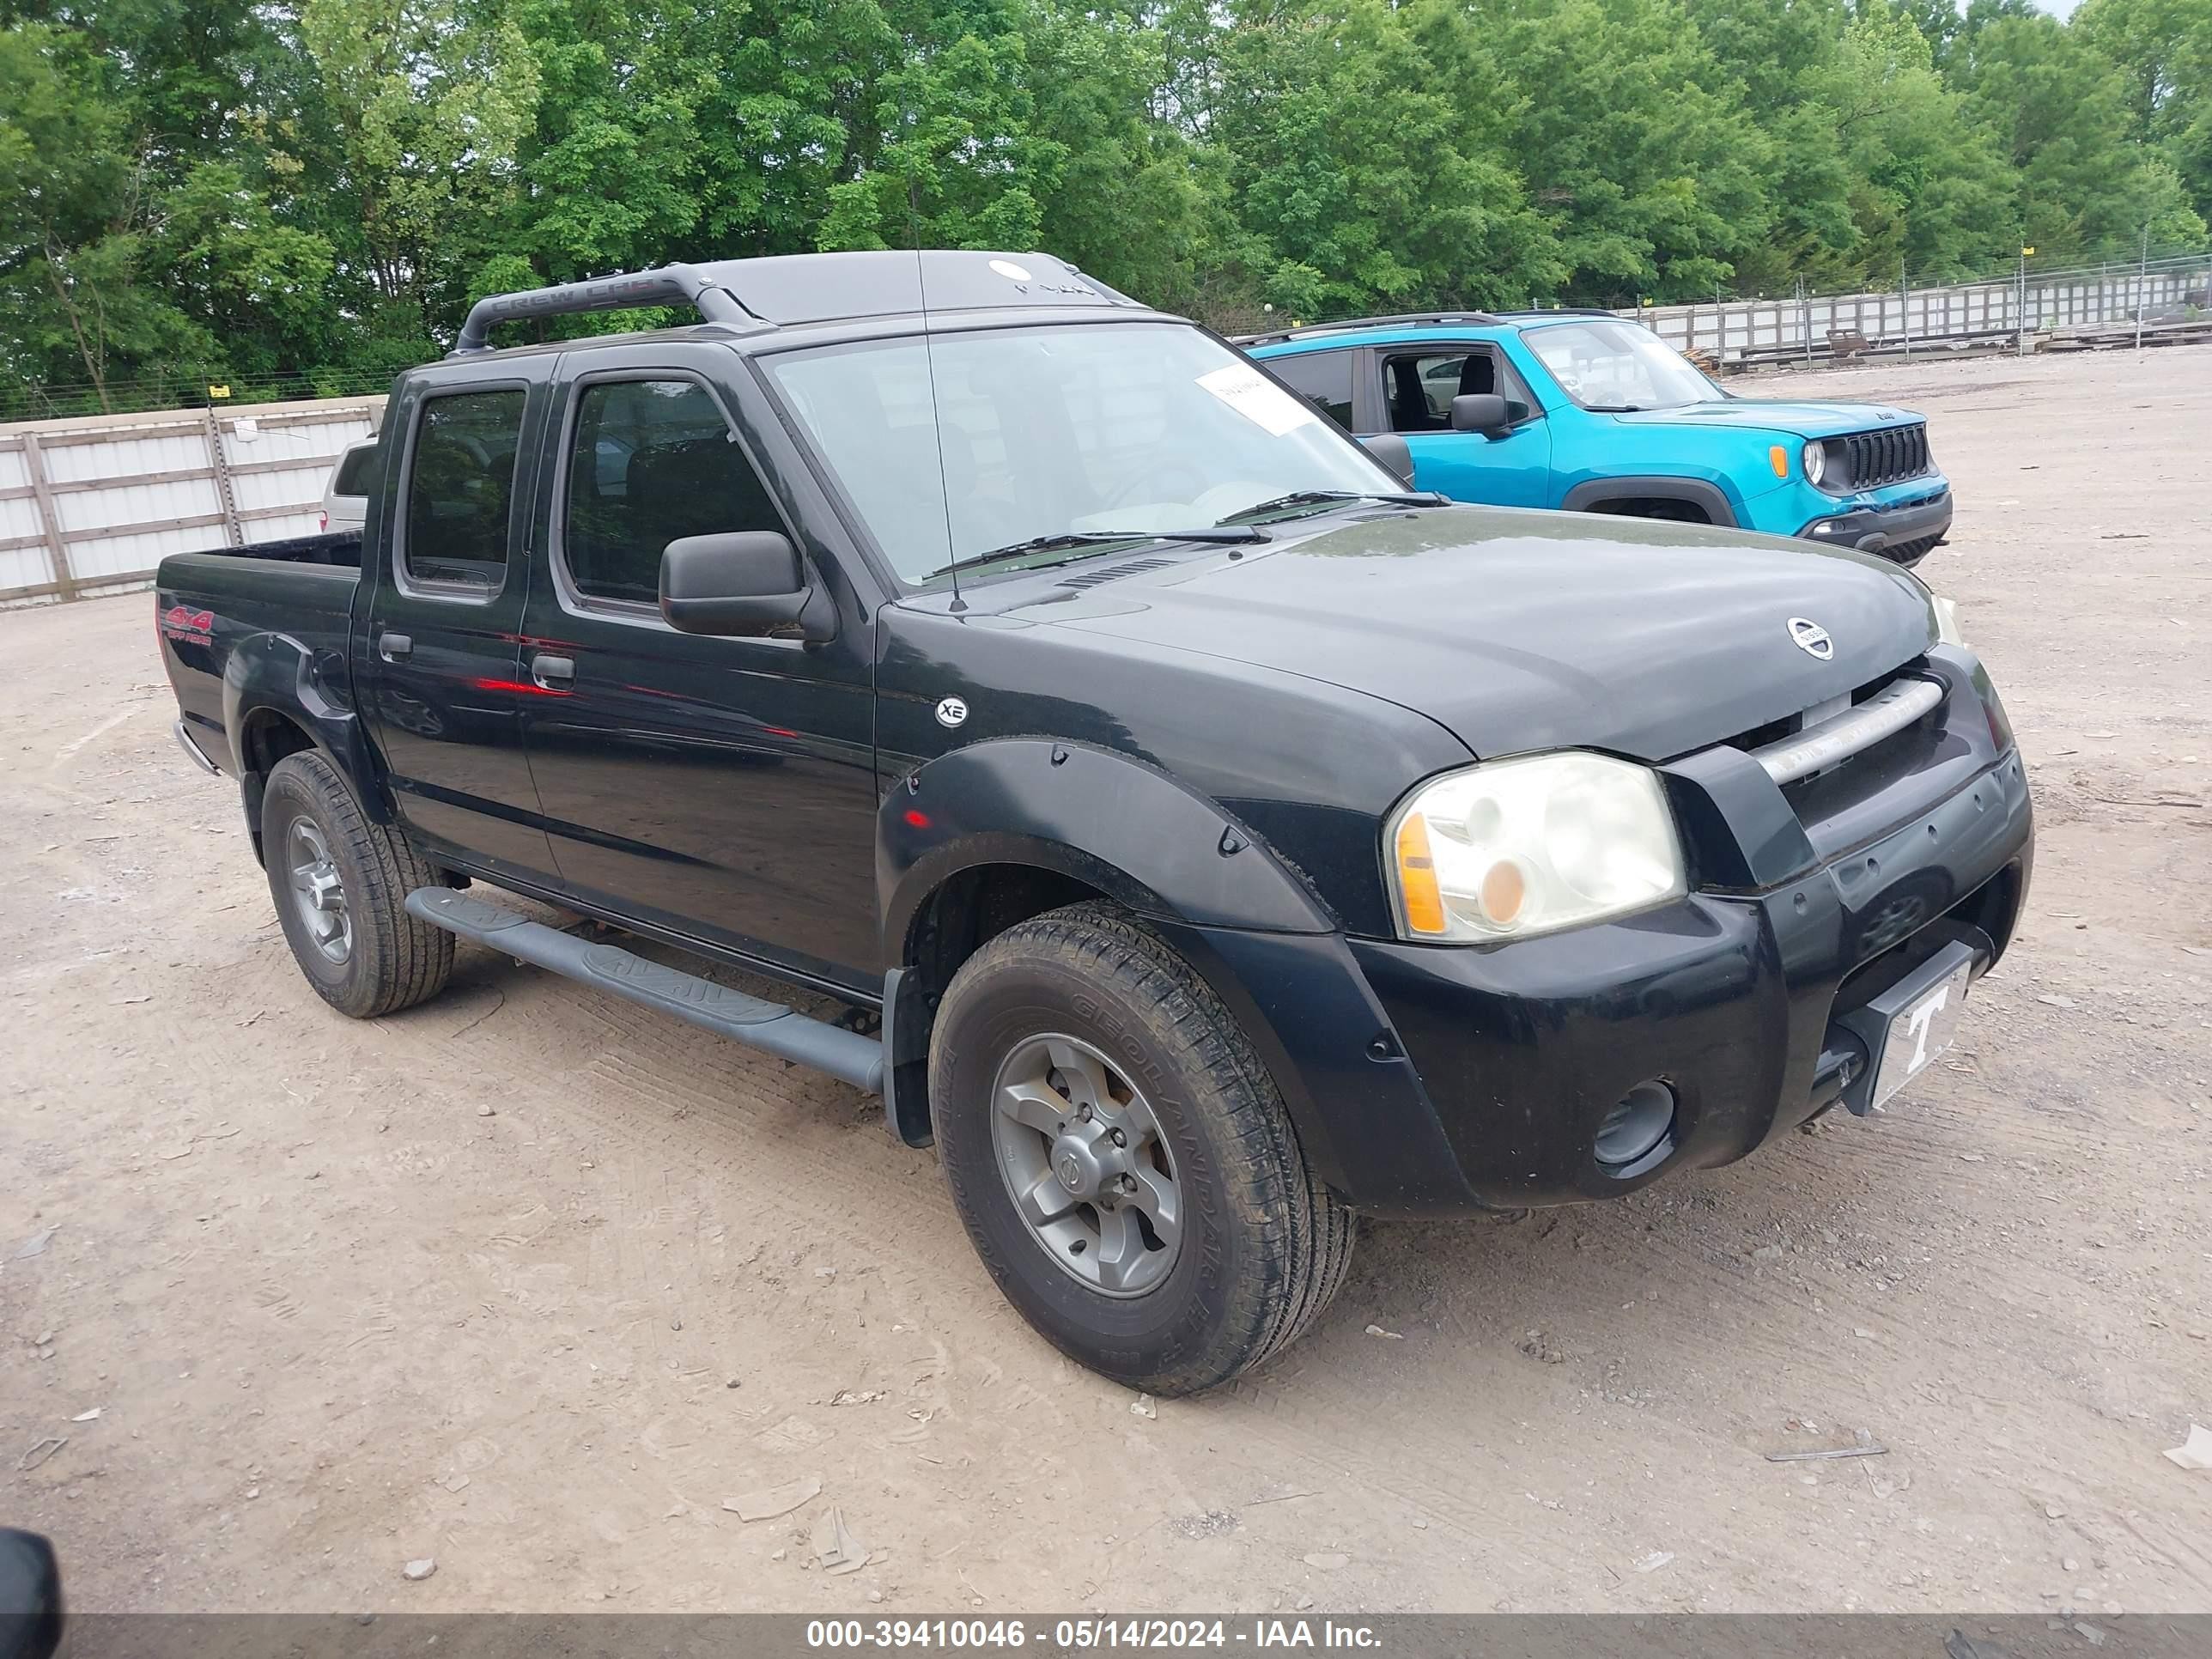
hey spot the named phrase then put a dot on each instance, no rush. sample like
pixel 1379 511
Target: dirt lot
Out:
pixel 530 1282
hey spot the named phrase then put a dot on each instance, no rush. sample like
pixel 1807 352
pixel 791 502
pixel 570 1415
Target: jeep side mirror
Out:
pixel 1480 411
pixel 1395 453
pixel 745 581
pixel 30 1596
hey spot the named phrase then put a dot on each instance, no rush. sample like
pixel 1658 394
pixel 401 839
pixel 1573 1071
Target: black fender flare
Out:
pixel 1108 819
pixel 275 674
pixel 1246 921
pixel 1593 494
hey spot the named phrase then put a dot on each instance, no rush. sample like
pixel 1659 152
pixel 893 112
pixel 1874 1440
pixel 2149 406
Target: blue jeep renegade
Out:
pixel 1593 413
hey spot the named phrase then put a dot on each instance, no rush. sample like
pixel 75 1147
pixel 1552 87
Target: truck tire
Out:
pixel 341 884
pixel 1122 1160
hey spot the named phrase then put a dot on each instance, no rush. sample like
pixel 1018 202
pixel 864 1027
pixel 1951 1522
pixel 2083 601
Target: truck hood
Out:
pixel 1520 631
pixel 1775 415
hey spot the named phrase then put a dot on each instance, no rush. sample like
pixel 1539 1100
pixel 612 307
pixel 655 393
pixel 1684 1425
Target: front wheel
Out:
pixel 341 886
pixel 1122 1160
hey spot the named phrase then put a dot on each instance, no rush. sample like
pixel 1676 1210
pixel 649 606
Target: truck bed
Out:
pixel 335 547
pixel 212 607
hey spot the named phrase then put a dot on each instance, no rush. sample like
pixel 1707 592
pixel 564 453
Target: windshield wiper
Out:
pixel 1238 534
pixel 1614 409
pixel 1305 498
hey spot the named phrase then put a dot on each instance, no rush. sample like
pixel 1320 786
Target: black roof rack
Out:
pixel 670 285
pixel 1474 319
pixel 1562 311
pixel 810 288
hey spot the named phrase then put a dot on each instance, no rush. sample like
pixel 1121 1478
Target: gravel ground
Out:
pixel 530 1283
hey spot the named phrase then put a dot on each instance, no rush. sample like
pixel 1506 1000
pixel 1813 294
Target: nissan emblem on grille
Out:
pixel 1811 639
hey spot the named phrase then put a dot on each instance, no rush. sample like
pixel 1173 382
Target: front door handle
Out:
pixel 392 647
pixel 553 672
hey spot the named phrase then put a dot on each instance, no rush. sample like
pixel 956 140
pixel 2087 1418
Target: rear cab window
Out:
pixel 649 461
pixel 460 492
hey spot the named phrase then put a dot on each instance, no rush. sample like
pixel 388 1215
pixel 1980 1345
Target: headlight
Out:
pixel 1815 460
pixel 1522 847
pixel 1947 621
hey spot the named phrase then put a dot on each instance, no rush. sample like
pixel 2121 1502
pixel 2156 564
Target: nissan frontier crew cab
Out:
pixel 1208 838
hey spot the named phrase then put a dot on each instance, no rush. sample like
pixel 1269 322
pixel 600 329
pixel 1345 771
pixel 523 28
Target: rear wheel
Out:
pixel 1121 1159
pixel 341 883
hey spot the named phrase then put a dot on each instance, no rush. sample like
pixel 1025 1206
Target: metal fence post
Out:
pixel 233 531
pixel 50 523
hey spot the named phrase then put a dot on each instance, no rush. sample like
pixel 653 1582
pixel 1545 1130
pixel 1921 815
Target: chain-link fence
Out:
pixel 68 401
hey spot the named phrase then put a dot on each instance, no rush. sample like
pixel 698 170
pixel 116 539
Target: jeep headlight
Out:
pixel 1516 848
pixel 1816 462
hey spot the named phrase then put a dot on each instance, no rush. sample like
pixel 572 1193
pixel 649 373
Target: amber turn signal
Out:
pixel 1417 879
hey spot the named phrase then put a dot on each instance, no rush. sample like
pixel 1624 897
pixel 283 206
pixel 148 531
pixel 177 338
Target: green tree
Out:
pixel 82 302
pixel 428 102
pixel 2163 52
pixel 1635 142
pixel 2059 111
pixel 1931 191
pixel 1365 153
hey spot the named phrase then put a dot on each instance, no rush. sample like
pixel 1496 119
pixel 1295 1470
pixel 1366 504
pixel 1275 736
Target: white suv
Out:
pixel 345 497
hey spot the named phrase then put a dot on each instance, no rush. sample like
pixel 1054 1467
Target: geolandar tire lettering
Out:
pixel 340 883
pixel 1122 1160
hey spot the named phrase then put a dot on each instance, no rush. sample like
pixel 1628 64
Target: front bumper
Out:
pixel 1904 532
pixel 1756 1000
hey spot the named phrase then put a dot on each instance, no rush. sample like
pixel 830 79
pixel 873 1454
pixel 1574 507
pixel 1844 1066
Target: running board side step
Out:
pixel 768 1026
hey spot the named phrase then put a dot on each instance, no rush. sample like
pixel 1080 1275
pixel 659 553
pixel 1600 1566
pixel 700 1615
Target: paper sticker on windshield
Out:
pixel 1258 399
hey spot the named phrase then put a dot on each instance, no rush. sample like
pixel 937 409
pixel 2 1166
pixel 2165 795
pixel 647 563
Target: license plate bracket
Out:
pixel 1906 1027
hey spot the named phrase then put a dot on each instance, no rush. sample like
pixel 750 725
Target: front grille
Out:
pixel 1887 456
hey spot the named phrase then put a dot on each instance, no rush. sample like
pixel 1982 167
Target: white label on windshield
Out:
pixel 1258 399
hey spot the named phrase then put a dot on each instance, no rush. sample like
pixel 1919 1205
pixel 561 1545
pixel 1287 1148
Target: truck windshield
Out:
pixel 1618 366
pixel 1006 437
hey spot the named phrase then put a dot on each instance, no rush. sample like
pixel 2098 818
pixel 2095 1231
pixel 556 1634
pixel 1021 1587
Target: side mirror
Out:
pixel 745 581
pixel 1395 455
pixel 30 1596
pixel 1480 411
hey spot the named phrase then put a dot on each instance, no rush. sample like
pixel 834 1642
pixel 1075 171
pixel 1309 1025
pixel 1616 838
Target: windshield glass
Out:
pixel 1618 365
pixel 1004 436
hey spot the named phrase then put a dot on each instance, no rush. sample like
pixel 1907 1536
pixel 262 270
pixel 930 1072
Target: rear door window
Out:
pixel 650 462
pixel 1324 378
pixel 461 489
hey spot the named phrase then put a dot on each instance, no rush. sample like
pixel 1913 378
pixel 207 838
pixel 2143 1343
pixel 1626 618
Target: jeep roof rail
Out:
pixel 783 289
pixel 1474 318
pixel 1563 311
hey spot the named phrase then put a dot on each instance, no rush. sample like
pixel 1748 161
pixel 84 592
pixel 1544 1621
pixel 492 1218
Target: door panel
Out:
pixel 1416 388
pixel 721 788
pixel 443 644
pixel 1514 471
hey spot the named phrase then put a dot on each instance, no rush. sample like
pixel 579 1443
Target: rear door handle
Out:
pixel 553 672
pixel 392 647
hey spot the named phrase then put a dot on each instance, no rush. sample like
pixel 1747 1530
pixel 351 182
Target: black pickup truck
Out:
pixel 1207 837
